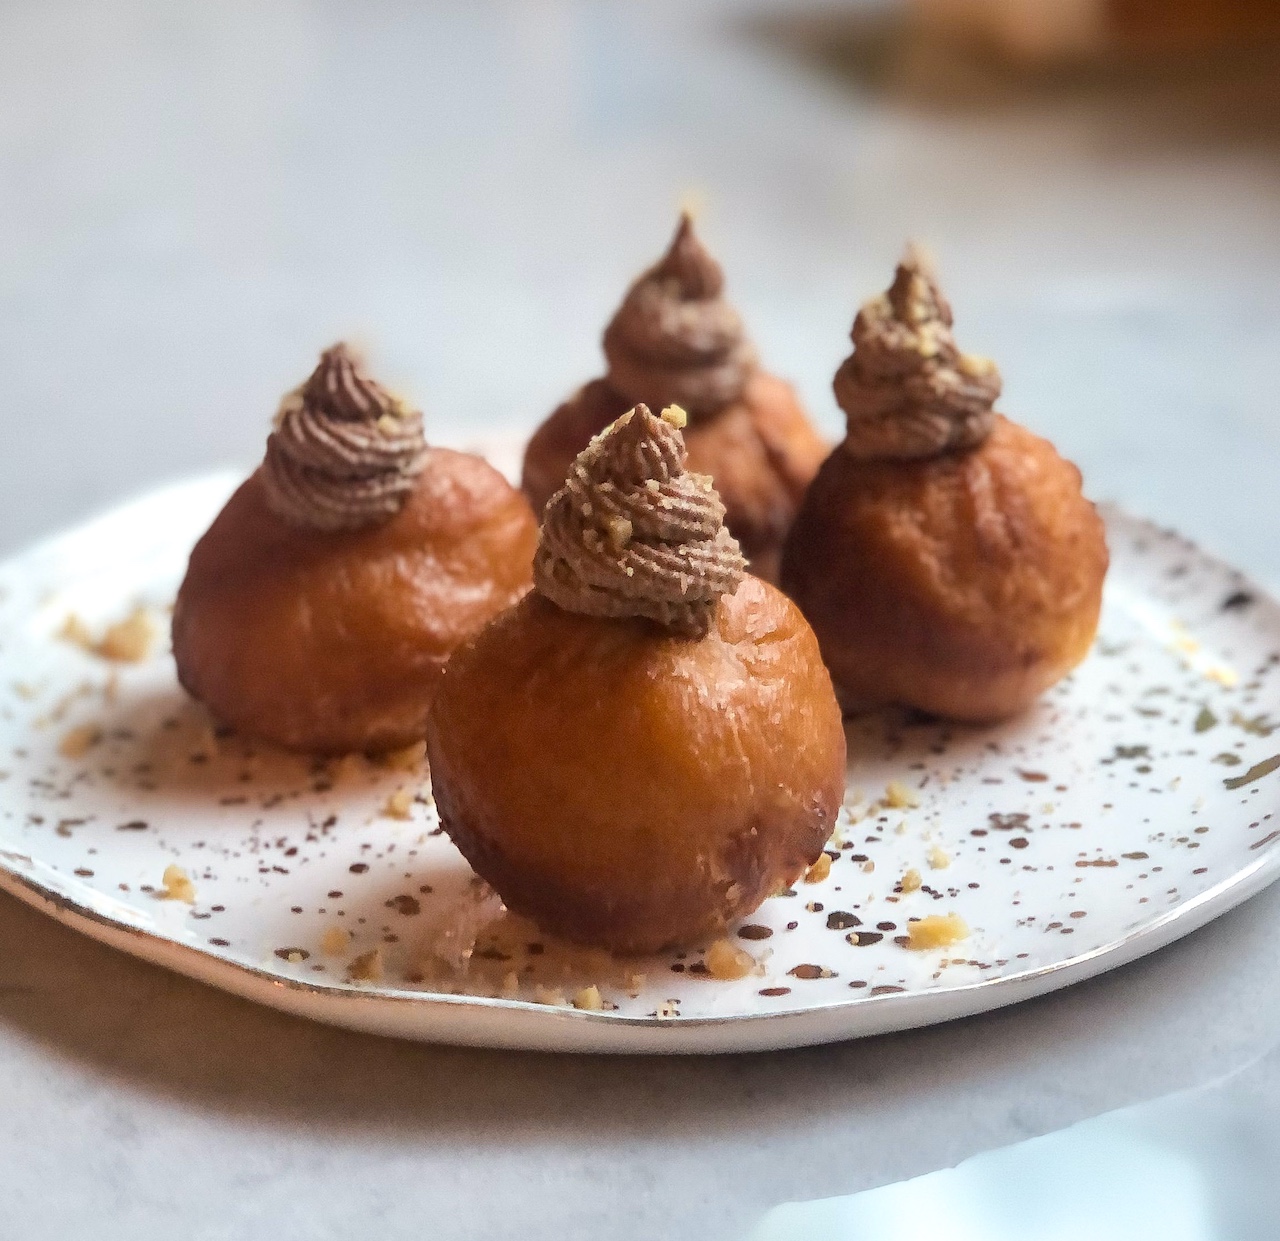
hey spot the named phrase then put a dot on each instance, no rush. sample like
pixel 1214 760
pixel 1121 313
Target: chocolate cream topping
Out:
pixel 907 390
pixel 632 534
pixel 674 339
pixel 344 452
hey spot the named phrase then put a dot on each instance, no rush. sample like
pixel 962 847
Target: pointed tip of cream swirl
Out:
pixel 675 340
pixel 689 264
pixel 633 534
pixel 907 391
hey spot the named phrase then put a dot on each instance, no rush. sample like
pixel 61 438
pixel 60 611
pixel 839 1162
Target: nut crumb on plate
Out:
pixel 727 962
pixel 588 999
pixel 177 885
pixel 128 641
pixel 399 804
pixel 78 741
pixel 819 870
pixel 936 931
pixel 408 758
pixel 367 967
pixel 898 797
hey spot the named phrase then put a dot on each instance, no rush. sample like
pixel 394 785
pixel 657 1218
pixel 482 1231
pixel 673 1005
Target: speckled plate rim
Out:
pixel 518 1024
pixel 479 1021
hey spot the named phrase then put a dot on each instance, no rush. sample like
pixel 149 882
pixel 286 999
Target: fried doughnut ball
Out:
pixel 963 584
pixel 332 642
pixel 633 790
pixel 761 452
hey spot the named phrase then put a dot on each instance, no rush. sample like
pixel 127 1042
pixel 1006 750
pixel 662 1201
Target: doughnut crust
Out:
pixel 963 585
pixel 761 452
pixel 633 790
pixel 334 642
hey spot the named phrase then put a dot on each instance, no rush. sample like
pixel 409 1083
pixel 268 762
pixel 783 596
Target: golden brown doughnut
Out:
pixel 629 783
pixel 944 556
pixel 675 340
pixel 333 640
pixel 964 585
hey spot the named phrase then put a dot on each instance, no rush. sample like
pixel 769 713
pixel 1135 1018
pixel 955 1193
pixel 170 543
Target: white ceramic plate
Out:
pixel 1131 806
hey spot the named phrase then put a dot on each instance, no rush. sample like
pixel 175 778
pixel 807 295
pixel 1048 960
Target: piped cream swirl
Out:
pixel 907 390
pixel 344 452
pixel 631 533
pixel 675 340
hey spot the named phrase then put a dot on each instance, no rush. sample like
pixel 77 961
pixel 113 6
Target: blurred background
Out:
pixel 196 198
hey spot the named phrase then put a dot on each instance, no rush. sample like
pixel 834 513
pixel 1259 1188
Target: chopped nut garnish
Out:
pixel 333 943
pixel 675 416
pixel 727 962
pixel 128 641
pixel 939 858
pixel 936 931
pixel 819 870
pixel 911 881
pixel 367 967
pixel 410 758
pixel 588 999
pixel 898 797
pixel 75 631
pixel 399 804
pixel 177 885
pixel 620 531
pixel 78 741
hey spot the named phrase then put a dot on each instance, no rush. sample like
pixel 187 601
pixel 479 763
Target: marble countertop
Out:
pixel 195 199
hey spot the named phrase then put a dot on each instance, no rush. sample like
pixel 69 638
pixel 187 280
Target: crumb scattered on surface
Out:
pixel 667 1010
pixel 78 741
pixel 939 858
pixel 548 995
pixel 727 962
pixel 348 767
pixel 898 797
pixel 588 999
pixel 75 631
pixel 819 870
pixel 910 881
pixel 333 943
pixel 408 758
pixel 936 931
pixel 367 967
pixel 868 867
pixel 399 804
pixel 129 641
pixel 177 885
